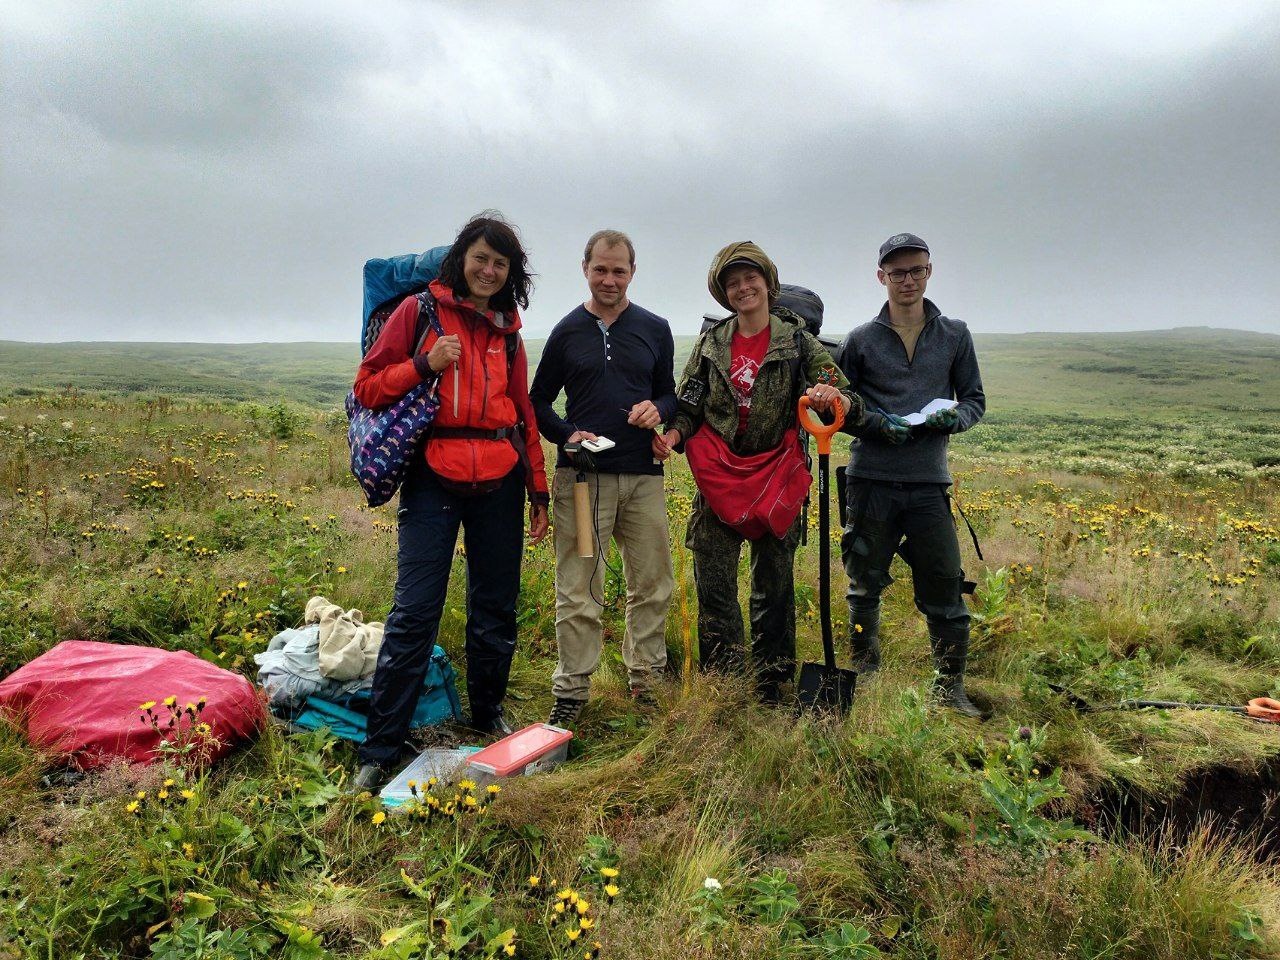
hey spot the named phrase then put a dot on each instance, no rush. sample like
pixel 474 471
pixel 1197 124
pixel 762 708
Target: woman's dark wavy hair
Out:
pixel 493 228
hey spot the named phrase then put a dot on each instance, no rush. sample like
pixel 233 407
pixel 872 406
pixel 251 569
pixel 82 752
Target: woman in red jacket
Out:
pixel 482 454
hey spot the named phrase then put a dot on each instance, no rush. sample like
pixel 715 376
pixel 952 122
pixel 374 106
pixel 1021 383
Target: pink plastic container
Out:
pixel 535 749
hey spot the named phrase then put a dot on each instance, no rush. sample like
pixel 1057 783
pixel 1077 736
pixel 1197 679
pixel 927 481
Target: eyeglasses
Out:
pixel 915 273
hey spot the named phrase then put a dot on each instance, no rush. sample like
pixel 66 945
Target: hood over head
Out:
pixel 744 251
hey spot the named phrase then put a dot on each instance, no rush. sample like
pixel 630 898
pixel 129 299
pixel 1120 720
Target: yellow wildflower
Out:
pixel 586 923
pixel 132 806
pixel 162 794
pixel 573 934
pixel 611 891
pixel 493 789
pixel 466 784
pixel 379 817
pixel 170 700
pixel 188 794
pixel 534 881
pixel 610 872
pixel 146 706
pixel 583 906
pixel 509 949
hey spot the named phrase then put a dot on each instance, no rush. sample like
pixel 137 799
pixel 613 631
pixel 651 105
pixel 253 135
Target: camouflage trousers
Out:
pixel 716 548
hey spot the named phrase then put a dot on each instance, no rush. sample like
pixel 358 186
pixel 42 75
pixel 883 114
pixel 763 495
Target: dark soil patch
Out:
pixel 1242 803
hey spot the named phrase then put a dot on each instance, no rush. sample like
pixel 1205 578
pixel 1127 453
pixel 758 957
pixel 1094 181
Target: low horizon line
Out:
pixel 352 342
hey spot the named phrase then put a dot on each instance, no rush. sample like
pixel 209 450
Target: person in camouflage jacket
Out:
pixel 711 393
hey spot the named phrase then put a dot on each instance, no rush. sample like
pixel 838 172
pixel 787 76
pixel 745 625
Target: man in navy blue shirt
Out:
pixel 615 362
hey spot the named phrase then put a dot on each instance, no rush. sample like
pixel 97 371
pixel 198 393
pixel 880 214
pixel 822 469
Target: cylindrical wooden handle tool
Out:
pixel 582 518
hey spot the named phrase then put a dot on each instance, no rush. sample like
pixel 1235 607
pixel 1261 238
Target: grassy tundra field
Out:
pixel 1127 491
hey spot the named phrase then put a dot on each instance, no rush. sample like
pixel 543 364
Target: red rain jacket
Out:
pixel 485 397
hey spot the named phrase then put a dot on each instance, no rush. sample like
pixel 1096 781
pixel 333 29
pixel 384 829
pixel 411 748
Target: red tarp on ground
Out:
pixel 81 699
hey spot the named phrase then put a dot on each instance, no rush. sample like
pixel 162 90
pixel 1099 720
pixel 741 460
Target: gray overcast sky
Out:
pixel 221 170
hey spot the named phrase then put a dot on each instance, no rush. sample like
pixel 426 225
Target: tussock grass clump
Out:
pixel 1156 899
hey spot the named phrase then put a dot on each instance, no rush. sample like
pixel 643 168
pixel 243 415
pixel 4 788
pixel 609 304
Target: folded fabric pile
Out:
pixel 348 646
pixel 332 656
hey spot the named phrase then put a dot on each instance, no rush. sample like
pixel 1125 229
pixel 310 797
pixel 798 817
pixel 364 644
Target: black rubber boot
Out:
pixel 950 651
pixel 865 641
pixel 370 777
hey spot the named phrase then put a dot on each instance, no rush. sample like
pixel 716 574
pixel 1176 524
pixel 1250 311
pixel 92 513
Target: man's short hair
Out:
pixel 611 238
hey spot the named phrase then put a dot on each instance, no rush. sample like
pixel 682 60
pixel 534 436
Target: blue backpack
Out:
pixel 388 281
pixel 437 703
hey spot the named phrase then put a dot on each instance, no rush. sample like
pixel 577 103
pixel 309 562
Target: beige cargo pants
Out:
pixel 632 510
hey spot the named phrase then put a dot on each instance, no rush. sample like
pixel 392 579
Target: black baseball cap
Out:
pixel 901 241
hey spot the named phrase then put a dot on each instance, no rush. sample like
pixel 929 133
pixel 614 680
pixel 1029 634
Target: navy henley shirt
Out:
pixel 604 372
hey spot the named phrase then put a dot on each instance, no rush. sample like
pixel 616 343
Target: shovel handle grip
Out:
pixel 822 432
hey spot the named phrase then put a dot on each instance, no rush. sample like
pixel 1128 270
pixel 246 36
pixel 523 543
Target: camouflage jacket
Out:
pixel 773 396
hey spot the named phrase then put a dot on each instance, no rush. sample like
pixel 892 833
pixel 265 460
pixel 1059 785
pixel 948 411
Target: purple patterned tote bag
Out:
pixel 384 442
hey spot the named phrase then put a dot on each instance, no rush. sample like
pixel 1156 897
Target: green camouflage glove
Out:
pixel 944 420
pixel 892 428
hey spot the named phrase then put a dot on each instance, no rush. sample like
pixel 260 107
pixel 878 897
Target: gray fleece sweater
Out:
pixel 944 365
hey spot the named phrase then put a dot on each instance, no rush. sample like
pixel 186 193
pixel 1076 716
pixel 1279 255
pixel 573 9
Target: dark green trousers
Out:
pixel 716 548
pixel 913 520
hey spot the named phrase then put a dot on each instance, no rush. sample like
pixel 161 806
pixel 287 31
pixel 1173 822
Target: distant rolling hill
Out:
pixel 1161 374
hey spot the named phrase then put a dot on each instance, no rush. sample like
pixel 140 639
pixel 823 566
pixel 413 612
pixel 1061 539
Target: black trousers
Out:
pixel 493 534
pixel 716 548
pixel 913 520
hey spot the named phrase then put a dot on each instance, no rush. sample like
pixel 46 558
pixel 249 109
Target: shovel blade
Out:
pixel 823 689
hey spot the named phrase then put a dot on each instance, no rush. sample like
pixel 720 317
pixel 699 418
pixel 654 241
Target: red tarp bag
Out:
pixel 81 701
pixel 754 493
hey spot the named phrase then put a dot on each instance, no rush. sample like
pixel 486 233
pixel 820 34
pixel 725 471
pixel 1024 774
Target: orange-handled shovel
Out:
pixel 824 685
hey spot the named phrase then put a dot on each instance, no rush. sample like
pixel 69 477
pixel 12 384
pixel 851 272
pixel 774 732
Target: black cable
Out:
pixel 600 551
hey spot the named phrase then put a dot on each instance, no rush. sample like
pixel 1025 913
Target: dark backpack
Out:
pixel 801 302
pixel 797 304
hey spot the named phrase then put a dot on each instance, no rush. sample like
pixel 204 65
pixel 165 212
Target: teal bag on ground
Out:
pixel 348 718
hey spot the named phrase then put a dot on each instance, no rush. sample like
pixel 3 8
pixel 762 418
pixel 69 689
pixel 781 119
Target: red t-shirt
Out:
pixel 745 356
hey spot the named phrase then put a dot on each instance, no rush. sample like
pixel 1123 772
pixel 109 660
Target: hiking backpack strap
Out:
pixel 972 534
pixel 428 320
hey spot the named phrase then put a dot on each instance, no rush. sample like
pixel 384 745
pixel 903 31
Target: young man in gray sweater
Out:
pixel 898 481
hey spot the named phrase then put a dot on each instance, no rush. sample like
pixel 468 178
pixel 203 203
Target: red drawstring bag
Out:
pixel 82 702
pixel 754 493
